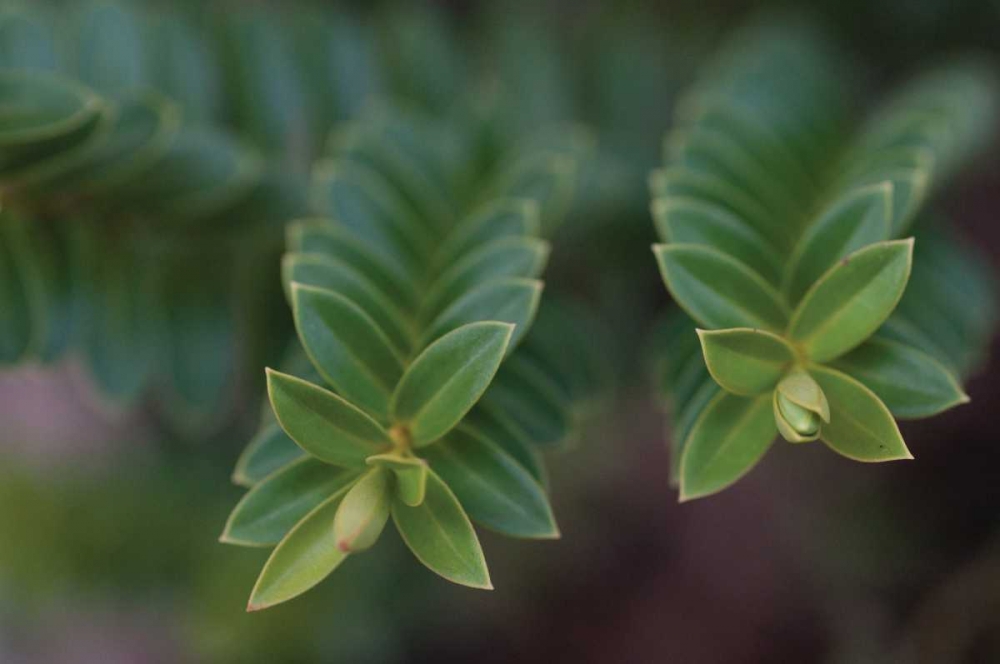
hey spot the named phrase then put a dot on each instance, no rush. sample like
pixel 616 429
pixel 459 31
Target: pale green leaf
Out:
pixel 448 378
pixel 745 361
pixel 440 535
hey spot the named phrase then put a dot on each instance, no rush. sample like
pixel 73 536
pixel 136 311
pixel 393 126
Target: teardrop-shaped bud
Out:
pixel 795 423
pixel 364 511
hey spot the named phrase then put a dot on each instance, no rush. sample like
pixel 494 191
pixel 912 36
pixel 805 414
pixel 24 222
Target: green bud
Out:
pixel 363 513
pixel 796 424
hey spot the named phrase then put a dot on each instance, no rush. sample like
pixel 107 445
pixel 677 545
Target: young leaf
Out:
pixel 304 557
pixel 860 427
pixel 728 439
pixel 719 291
pixel 911 383
pixel 745 361
pixel 410 472
pixel 440 535
pixel 448 378
pixel 269 450
pixel 852 222
pixel 494 489
pixel 363 512
pixel 852 300
pixel 323 424
pixel 347 347
pixel 270 509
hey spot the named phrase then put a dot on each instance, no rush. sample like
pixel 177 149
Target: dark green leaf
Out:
pixel 269 450
pixel 910 382
pixel 347 347
pixel 494 489
pixel 718 291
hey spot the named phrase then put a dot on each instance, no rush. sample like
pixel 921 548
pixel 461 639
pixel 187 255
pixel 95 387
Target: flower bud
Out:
pixel 363 513
pixel 795 423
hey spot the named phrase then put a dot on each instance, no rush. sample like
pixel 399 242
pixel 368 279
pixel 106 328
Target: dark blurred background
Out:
pixel 109 519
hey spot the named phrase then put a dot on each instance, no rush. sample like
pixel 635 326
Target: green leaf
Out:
pixel 718 291
pixel 16 317
pixel 728 439
pixel 364 511
pixel 495 490
pixel 440 535
pixel 860 427
pixel 410 472
pixel 510 257
pixel 323 424
pixel 270 509
pixel 852 222
pixel 448 378
pixel 347 347
pixel 534 404
pixel 745 361
pixel 496 220
pixel 493 425
pixel 684 418
pixel 513 301
pixel 323 237
pixel 911 383
pixel 331 274
pixel 685 220
pixel 306 556
pixel 852 300
pixel 269 450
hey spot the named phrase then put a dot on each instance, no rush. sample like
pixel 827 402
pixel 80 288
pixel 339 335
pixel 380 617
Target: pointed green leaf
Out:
pixel 911 383
pixel 269 450
pixel 684 418
pixel 270 509
pixel 687 220
pixel 323 424
pixel 493 425
pixel 852 222
pixel 347 347
pixel 502 218
pixel 448 378
pixel 852 300
pixel 492 487
pixel 512 301
pixel 364 511
pixel 745 361
pixel 410 472
pixel 524 394
pixel 509 257
pixel 306 556
pixel 331 274
pixel 728 439
pixel 860 427
pixel 718 291
pixel 323 237
pixel 440 535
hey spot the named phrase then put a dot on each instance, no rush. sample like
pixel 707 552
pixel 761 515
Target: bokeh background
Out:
pixel 110 510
